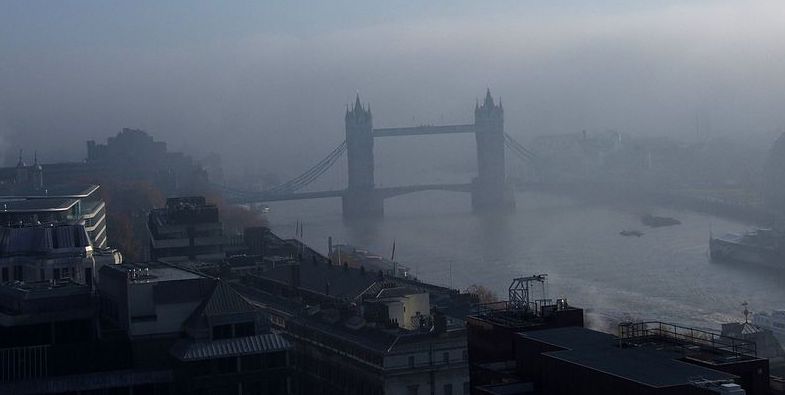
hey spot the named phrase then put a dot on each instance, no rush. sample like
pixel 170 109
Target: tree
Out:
pixel 484 294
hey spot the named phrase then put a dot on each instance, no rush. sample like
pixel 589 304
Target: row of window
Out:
pixel 445 358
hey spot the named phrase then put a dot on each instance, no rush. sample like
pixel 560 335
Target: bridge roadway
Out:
pixel 423 130
pixel 384 193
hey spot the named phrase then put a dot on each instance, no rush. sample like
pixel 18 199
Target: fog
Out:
pixel 266 85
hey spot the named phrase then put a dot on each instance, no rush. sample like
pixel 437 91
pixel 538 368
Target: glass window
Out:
pixel 222 332
pixel 244 329
pixel 446 357
pixel 411 361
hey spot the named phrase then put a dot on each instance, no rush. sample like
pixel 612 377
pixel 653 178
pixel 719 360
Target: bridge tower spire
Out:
pixel 360 199
pixel 490 189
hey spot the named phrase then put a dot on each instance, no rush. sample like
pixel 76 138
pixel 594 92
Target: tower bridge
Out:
pixel 490 190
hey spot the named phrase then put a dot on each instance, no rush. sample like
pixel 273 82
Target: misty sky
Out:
pixel 265 83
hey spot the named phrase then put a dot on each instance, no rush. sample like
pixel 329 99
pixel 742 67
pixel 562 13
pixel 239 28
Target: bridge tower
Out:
pixel 360 199
pixel 490 190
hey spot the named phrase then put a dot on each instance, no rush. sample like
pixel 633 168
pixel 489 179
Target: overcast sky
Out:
pixel 266 82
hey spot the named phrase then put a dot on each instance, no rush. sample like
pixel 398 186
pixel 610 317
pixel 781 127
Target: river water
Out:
pixel 664 275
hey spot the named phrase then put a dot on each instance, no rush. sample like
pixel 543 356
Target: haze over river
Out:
pixel 664 275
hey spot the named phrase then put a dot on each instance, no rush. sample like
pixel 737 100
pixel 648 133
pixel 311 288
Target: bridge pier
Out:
pixel 492 197
pixel 362 204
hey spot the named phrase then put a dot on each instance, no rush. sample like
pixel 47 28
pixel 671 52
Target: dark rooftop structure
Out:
pixel 392 332
pixel 600 352
pixel 646 358
pixel 188 228
pixel 260 344
pixel 63 203
pixel 43 239
pixel 36 205
pixel 24 303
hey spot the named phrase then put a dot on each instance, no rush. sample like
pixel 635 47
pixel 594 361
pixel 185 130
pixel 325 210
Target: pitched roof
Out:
pixel 225 300
pixel 188 350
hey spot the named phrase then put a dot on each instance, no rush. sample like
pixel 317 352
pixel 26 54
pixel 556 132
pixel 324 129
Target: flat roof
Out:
pixel 43 289
pixel 73 191
pixel 600 352
pixel 151 272
pixel 15 206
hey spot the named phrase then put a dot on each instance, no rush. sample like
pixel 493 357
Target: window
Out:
pixel 18 275
pixel 411 361
pixel 5 274
pixel 412 389
pixel 244 329
pixel 448 389
pixel 466 388
pixel 56 274
pixel 446 357
pixel 222 332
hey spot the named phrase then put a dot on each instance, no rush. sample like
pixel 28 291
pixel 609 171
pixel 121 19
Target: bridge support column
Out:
pixel 360 198
pixel 490 190
pixel 492 197
pixel 362 204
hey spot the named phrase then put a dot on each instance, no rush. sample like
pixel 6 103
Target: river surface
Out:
pixel 664 275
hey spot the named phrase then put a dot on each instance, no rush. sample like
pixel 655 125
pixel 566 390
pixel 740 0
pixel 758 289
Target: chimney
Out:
pixel 329 245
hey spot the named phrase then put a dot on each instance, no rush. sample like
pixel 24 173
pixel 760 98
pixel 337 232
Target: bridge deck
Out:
pixel 384 193
pixel 423 130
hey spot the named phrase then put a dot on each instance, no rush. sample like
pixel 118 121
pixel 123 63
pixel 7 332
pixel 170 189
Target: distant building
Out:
pixel 536 347
pixel 493 329
pixel 157 330
pixel 57 204
pixel 133 155
pixel 357 331
pixel 188 228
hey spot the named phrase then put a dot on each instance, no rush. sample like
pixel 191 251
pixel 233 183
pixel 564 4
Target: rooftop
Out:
pixel 42 289
pixel 655 367
pixel 185 210
pixel 43 239
pixel 343 282
pixel 152 272
pixel 73 191
pixel 201 350
pixel 17 206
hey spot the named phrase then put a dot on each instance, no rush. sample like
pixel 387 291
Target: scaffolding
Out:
pixel 520 293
